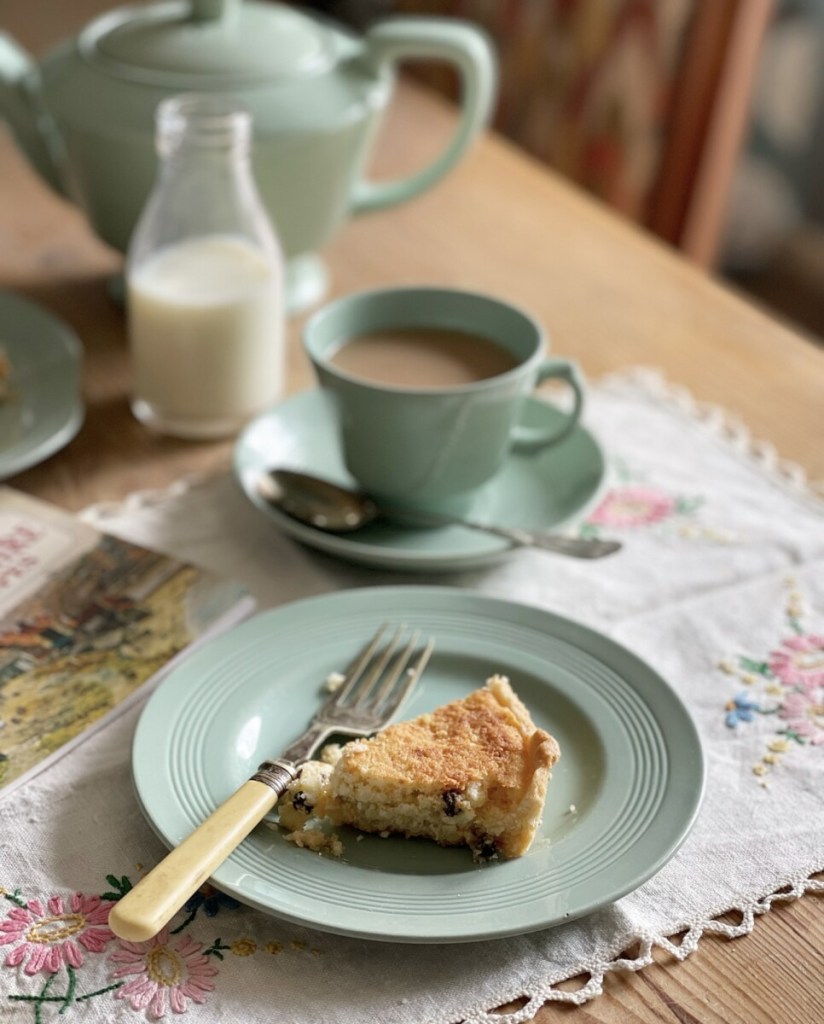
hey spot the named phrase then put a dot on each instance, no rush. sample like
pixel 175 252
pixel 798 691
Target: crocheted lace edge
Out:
pixel 722 424
pixel 538 994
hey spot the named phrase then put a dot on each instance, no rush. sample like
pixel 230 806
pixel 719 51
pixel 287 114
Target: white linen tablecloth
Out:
pixel 720 587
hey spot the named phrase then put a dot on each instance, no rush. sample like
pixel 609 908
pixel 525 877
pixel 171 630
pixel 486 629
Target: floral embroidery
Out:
pixel 788 683
pixel 634 504
pixel 804 714
pixel 216 949
pixel 64 938
pixel 740 709
pixel 120 886
pixel 164 975
pixel 47 937
pixel 210 900
pixel 50 937
pixel 799 661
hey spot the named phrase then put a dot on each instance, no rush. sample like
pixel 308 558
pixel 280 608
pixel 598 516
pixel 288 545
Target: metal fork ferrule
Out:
pixel 276 774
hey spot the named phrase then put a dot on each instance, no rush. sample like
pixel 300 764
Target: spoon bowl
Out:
pixel 317 502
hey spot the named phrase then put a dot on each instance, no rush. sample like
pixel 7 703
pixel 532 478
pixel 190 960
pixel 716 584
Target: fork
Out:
pixel 372 691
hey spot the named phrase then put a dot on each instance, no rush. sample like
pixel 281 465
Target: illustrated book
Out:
pixel 88 624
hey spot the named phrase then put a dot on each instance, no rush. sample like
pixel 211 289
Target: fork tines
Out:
pixel 373 681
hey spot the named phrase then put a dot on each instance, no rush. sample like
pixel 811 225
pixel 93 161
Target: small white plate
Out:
pixel 44 411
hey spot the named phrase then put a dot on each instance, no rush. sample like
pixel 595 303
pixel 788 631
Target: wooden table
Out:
pixel 611 298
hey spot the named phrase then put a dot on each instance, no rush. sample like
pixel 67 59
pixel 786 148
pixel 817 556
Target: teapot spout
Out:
pixel 22 107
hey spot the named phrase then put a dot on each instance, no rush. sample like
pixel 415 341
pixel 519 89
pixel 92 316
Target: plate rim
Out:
pixel 690 748
pixel 347 548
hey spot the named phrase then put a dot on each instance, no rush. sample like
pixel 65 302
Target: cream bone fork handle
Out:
pixel 372 692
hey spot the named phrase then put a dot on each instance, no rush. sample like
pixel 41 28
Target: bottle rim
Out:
pixel 214 119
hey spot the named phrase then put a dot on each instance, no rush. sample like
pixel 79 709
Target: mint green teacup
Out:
pixel 418 444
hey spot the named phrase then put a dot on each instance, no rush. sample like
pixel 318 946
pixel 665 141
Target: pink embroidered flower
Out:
pixel 804 716
pixel 633 506
pixel 165 975
pixel 800 661
pixel 47 937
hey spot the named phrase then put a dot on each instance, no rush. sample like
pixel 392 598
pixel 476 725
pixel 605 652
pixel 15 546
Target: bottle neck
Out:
pixel 205 184
pixel 210 129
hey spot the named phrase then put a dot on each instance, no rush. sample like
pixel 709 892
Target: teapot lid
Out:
pixel 224 42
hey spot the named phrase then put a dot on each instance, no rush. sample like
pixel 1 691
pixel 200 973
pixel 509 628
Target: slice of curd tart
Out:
pixel 473 772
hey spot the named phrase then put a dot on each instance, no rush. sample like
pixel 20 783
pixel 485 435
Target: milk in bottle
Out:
pixel 204 279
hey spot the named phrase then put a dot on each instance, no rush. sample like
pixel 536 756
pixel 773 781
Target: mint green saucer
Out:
pixel 538 491
pixel 623 796
pixel 44 410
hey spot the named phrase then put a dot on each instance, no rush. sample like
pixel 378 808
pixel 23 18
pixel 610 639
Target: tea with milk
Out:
pixel 423 357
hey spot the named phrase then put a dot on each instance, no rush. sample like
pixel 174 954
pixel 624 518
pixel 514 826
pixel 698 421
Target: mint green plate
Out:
pixel 631 765
pixel 539 491
pixel 45 411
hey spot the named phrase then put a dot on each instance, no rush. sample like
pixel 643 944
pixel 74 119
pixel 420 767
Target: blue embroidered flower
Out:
pixel 211 900
pixel 740 709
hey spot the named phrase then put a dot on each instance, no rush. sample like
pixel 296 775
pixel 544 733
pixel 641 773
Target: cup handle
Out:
pixel 532 439
pixel 417 38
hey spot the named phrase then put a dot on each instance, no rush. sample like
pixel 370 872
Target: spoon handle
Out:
pixel 576 547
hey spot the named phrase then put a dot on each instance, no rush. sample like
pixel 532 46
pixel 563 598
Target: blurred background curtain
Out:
pixel 702 120
pixel 641 102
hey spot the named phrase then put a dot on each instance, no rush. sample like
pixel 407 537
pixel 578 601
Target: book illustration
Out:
pixel 86 621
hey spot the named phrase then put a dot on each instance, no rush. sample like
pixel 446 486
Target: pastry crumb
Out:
pixel 318 840
pixel 334 681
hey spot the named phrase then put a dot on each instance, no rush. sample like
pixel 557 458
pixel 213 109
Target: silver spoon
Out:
pixel 334 509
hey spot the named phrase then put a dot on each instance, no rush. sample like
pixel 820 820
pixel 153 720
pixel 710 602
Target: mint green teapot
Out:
pixel 316 92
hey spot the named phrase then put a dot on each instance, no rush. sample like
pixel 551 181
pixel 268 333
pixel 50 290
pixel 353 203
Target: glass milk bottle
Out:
pixel 204 278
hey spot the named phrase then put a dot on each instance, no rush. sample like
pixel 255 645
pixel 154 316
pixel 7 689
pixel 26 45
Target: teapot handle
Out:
pixel 447 39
